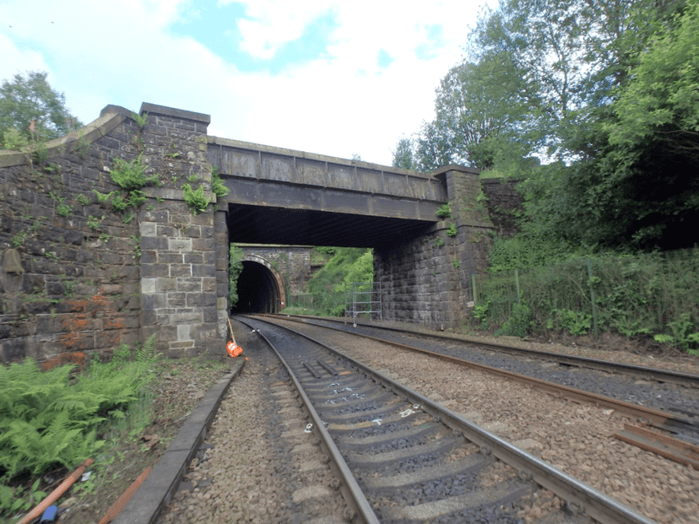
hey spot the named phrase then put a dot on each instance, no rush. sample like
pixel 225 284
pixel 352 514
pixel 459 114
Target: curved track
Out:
pixel 403 458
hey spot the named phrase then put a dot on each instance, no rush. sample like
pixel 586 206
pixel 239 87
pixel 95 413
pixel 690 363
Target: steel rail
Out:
pixel 660 375
pixel 660 418
pixel 668 447
pixel 579 496
pixel 357 498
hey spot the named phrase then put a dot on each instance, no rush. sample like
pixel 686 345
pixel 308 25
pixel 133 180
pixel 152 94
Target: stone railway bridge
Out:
pixel 80 274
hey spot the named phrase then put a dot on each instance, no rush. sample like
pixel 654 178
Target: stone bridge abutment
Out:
pixel 88 264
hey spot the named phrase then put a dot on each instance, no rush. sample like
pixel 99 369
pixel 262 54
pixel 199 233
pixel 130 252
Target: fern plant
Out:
pixel 195 199
pixel 217 185
pixel 48 419
pixel 131 175
pixel 141 120
pixel 444 211
pixel 103 198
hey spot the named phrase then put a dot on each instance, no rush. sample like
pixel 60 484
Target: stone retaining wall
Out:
pixel 428 280
pixel 70 274
pixel 78 275
pixel 504 204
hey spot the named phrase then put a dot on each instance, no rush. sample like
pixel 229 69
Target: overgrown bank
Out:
pixel 325 291
pixel 122 413
pixel 652 295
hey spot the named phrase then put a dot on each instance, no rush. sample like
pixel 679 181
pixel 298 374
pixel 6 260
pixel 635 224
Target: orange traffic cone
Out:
pixel 233 349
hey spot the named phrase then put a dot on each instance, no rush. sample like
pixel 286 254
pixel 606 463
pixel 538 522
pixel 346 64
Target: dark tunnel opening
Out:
pixel 258 291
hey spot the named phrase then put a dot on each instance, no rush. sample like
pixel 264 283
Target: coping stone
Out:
pixel 175 113
pixel 157 490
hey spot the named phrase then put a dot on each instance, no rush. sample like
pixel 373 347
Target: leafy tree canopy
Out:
pixel 593 105
pixel 661 99
pixel 403 155
pixel 30 98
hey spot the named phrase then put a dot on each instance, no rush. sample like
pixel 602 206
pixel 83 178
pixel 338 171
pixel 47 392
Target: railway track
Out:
pixel 404 458
pixel 664 399
pixel 640 372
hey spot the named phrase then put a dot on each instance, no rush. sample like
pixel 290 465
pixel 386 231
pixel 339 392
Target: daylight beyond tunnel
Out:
pixel 258 291
pixel 273 225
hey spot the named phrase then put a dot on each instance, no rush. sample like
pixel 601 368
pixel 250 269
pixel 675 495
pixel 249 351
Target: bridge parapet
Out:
pixel 274 164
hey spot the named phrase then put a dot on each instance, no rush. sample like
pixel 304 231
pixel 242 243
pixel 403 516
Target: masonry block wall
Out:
pixel 293 263
pixel 180 269
pixel 222 244
pixel 428 280
pixel 69 277
pixel 86 265
pixel 504 204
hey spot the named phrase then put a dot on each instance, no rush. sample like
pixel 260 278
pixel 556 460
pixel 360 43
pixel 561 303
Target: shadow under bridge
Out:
pixel 281 196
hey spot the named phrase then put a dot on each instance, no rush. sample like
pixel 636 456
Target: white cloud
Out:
pixel 124 53
pixel 18 59
pixel 269 24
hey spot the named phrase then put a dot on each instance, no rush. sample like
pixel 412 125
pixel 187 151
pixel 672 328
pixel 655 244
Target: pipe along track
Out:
pixel 403 458
pixel 684 428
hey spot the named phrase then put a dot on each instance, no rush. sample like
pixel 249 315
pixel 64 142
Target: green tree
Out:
pixel 634 186
pixel 30 98
pixel 608 107
pixel 479 111
pixel 404 154
pixel 649 171
pixel 564 59
pixel 326 284
pixel 235 268
pixel 361 270
pixel 661 100
pixel 599 194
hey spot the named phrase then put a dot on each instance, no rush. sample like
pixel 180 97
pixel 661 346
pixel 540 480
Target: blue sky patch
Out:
pixel 217 29
pixel 383 59
pixel 435 39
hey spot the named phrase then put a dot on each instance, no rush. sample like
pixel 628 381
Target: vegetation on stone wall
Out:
pixel 235 268
pixel 129 176
pixel 217 185
pixel 195 198
pixel 73 283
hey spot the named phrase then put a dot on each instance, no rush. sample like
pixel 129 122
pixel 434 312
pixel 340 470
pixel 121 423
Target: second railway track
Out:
pixel 404 458
pixel 667 400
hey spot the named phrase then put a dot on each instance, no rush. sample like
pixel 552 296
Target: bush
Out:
pixel 647 294
pixel 325 289
pixel 50 419
pixel 519 323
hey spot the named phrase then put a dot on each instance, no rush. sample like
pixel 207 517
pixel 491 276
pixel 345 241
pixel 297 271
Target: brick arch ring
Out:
pixel 277 277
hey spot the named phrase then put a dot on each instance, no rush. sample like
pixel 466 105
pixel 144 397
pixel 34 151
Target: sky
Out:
pixel 334 78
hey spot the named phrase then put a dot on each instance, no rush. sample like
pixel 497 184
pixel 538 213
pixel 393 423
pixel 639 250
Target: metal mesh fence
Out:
pixel 646 294
pixel 363 298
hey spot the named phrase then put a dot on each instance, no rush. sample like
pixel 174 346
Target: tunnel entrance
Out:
pixel 260 288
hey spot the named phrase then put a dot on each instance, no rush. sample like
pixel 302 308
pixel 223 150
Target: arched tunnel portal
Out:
pixel 260 287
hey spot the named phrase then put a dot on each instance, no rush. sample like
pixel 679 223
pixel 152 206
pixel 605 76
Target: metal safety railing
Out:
pixel 363 298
